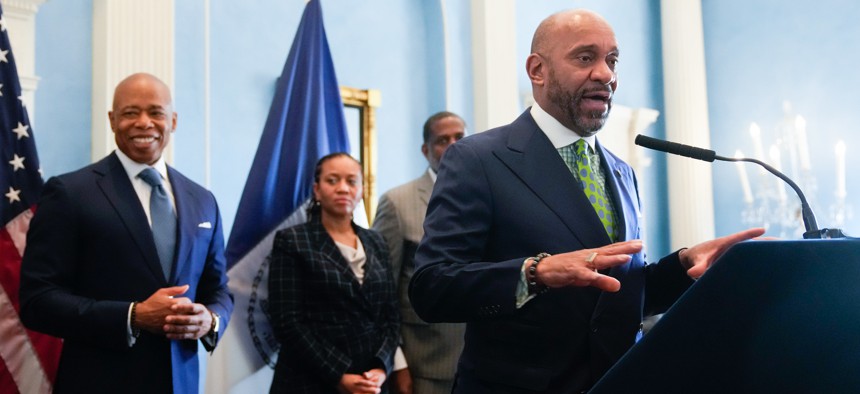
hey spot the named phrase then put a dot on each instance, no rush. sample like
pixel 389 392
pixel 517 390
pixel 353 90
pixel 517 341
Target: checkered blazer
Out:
pixel 327 323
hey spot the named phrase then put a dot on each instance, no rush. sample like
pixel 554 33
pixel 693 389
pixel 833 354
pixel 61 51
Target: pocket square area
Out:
pixel 205 225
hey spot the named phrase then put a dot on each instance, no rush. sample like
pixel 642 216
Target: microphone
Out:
pixel 676 148
pixel 812 230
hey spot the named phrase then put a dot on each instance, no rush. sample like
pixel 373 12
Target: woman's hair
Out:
pixel 314 209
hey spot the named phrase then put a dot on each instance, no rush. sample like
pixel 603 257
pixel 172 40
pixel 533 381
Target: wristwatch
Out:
pixel 216 325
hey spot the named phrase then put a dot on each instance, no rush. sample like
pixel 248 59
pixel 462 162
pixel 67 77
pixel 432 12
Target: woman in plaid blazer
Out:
pixel 331 293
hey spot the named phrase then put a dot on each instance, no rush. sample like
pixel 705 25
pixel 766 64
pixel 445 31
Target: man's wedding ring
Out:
pixel 590 260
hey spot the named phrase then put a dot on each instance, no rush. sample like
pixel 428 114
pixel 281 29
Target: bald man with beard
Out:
pixel 532 234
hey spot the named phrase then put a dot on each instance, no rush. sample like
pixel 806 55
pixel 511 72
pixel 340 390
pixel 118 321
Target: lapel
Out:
pixel 531 157
pixel 614 170
pixel 329 249
pixel 114 183
pixel 619 179
pixel 424 187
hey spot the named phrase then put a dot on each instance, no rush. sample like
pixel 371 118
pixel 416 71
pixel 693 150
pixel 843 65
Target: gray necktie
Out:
pixel 163 219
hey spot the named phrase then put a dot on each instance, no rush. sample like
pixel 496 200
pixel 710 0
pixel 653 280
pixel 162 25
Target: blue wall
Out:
pixel 395 47
pixel 189 90
pixel 771 52
pixel 64 64
pixel 398 51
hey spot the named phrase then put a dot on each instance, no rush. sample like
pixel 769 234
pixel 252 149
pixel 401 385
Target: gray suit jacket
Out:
pixel 431 350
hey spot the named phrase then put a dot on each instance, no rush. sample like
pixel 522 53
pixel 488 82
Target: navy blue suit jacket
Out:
pixel 505 195
pixel 90 253
pixel 327 323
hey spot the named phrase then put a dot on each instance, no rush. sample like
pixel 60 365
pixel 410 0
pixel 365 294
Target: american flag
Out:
pixel 28 360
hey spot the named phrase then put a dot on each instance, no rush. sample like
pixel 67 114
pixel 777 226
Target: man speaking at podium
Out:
pixel 532 232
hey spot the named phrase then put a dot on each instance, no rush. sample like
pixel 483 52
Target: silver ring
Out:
pixel 590 261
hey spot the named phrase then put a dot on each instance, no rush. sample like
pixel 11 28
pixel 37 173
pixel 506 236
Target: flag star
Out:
pixel 21 130
pixel 13 195
pixel 1 90
pixel 17 163
pixel 3 56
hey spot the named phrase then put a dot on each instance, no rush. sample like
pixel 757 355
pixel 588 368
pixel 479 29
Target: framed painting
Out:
pixel 359 105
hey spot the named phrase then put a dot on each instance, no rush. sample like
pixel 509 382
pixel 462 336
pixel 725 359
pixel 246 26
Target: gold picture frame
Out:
pixel 362 129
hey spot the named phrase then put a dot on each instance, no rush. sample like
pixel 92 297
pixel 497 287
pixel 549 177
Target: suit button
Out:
pixel 594 329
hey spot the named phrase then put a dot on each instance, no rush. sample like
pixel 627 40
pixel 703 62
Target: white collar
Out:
pixel 559 135
pixel 432 174
pixel 133 168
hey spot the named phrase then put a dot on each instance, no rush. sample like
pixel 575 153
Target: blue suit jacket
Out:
pixel 90 252
pixel 327 323
pixel 505 195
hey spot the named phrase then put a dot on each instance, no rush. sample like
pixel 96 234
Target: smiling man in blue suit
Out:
pixel 125 260
pixel 532 232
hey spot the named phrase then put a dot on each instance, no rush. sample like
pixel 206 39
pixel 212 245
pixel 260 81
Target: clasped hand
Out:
pixel 166 312
pixel 369 382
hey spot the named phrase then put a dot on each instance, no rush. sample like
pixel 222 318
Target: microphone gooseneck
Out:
pixel 708 155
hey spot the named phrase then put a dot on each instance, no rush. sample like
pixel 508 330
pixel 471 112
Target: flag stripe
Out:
pixel 7 383
pixel 16 350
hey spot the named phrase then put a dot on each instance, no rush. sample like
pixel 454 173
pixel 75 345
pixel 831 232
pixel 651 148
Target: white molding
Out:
pixel 20 18
pixel 494 63
pixel 691 196
pixel 129 36
pixel 21 6
pixel 28 91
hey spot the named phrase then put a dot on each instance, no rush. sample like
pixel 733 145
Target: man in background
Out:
pixel 125 260
pixel 431 350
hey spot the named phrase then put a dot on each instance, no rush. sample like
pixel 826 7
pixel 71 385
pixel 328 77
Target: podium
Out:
pixel 767 317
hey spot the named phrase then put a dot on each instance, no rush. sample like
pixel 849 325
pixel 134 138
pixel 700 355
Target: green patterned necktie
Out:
pixel 593 189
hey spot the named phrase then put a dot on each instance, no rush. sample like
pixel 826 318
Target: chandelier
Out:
pixel 769 202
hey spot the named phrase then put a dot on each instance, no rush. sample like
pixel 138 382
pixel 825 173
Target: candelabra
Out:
pixel 769 204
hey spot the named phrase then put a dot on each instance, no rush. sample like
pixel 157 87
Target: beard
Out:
pixel 586 123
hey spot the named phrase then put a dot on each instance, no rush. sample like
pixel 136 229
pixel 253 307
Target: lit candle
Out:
pixel 755 132
pixel 840 170
pixel 745 182
pixel 777 163
pixel 802 144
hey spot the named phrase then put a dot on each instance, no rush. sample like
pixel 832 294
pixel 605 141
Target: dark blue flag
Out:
pixel 305 122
